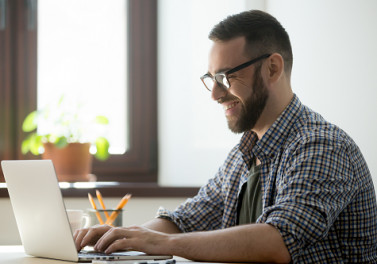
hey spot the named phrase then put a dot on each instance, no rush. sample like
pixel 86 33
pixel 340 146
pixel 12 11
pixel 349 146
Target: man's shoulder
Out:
pixel 312 127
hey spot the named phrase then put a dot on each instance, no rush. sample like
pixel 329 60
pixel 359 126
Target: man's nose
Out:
pixel 218 91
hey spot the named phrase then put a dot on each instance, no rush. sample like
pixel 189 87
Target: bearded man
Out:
pixel 295 189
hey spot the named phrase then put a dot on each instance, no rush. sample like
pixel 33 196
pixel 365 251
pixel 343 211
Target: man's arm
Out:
pixel 246 243
pixel 162 225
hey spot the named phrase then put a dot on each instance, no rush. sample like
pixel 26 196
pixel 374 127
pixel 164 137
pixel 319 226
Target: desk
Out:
pixel 16 255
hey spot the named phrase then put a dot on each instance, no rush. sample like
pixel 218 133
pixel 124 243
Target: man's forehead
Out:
pixel 226 54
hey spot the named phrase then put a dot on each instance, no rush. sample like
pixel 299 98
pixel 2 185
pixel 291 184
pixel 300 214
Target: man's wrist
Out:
pixel 173 244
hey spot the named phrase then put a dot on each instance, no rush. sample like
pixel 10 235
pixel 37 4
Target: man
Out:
pixel 296 188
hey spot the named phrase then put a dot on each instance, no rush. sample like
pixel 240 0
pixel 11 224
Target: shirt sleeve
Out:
pixel 202 212
pixel 312 190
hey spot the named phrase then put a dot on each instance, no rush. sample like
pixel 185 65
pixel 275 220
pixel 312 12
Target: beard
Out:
pixel 252 108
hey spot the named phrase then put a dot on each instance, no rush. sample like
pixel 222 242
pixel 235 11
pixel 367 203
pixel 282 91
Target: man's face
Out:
pixel 246 98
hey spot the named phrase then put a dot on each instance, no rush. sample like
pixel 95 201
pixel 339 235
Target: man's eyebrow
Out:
pixel 222 70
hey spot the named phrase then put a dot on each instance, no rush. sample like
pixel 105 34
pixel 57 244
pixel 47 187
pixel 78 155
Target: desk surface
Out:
pixel 16 255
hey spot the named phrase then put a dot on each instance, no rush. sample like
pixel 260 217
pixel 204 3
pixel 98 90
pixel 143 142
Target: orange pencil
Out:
pixel 99 197
pixel 121 204
pixel 95 208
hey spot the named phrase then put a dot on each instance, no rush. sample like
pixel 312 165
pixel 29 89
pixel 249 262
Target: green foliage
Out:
pixel 62 125
pixel 102 145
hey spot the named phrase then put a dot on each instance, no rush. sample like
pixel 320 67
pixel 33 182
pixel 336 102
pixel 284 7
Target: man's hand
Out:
pixel 89 236
pixel 132 238
pixel 102 235
pixel 109 239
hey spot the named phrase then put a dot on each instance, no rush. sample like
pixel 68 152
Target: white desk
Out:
pixel 16 255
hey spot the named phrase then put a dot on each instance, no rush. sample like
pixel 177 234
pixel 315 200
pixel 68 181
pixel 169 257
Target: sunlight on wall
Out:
pixel 333 73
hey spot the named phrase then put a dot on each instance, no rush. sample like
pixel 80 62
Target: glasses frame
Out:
pixel 233 70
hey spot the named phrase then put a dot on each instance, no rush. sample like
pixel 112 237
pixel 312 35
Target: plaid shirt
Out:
pixel 316 186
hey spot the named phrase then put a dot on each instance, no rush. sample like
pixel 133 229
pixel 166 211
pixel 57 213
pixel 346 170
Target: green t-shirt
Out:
pixel 251 206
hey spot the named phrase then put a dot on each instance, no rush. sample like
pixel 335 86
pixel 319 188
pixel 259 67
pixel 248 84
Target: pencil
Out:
pixel 119 207
pixel 99 197
pixel 95 208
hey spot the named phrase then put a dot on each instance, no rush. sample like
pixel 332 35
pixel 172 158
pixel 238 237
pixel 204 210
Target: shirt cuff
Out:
pixel 171 216
pixel 290 240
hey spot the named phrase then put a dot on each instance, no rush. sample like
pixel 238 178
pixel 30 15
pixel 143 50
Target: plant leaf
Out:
pixel 30 122
pixel 61 142
pixel 102 120
pixel 25 147
pixel 35 144
pixel 102 145
pixel 61 99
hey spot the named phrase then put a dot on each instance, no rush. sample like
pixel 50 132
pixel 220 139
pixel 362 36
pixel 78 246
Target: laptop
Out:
pixel 41 215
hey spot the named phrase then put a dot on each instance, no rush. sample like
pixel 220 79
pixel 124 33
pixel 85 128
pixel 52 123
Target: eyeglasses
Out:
pixel 222 77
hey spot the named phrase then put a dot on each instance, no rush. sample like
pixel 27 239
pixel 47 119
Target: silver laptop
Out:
pixel 41 214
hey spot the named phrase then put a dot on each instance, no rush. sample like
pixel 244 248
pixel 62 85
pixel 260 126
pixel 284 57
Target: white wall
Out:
pixel 193 135
pixel 335 50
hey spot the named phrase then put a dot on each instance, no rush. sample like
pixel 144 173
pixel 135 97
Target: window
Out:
pixel 82 56
pixel 18 90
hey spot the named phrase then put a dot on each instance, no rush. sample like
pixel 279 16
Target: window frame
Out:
pixel 139 163
pixel 18 89
pixel 18 73
pixel 136 171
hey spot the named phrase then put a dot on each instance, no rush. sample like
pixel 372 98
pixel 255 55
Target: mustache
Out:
pixel 228 98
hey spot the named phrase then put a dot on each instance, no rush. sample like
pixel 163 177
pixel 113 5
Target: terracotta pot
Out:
pixel 72 163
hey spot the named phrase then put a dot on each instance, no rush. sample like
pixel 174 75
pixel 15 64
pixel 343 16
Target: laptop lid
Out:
pixel 41 215
pixel 39 209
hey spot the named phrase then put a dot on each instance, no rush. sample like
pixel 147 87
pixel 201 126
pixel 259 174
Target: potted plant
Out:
pixel 66 134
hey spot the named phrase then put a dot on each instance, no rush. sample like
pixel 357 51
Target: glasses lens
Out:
pixel 221 79
pixel 208 82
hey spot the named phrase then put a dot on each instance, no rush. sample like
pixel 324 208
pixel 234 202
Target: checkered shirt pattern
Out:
pixel 316 186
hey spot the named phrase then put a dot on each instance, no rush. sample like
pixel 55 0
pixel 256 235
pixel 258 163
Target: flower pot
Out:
pixel 72 163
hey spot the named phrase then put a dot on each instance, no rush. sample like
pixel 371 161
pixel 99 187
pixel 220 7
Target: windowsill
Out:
pixel 118 189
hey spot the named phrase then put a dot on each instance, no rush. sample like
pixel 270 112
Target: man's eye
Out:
pixel 226 83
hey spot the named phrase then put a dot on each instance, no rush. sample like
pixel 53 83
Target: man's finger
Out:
pixel 109 237
pixel 120 244
pixel 78 237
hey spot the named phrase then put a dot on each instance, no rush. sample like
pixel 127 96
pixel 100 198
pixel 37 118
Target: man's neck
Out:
pixel 274 107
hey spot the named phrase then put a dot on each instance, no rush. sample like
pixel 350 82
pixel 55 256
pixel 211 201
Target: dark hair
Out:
pixel 263 34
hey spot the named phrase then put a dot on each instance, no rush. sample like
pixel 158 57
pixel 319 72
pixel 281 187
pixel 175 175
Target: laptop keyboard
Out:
pixel 89 254
pixel 94 255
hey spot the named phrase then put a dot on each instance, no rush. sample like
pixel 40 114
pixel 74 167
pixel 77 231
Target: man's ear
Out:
pixel 275 67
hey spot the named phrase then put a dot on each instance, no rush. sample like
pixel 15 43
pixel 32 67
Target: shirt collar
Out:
pixel 272 140
pixel 248 141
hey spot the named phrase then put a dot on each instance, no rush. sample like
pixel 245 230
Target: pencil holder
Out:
pixel 94 216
